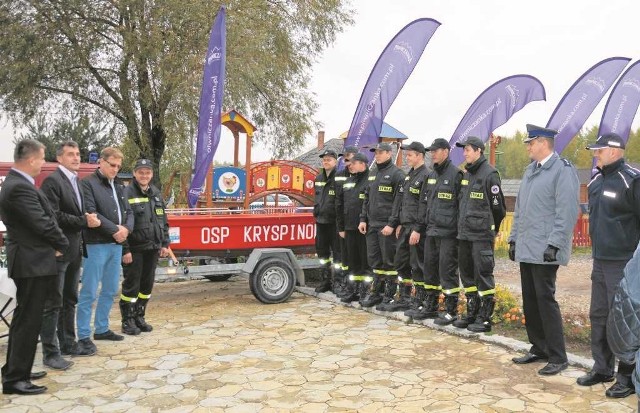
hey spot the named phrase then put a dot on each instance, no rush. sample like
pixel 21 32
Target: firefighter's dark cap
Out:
pixel 414 146
pixel 329 152
pixel 349 149
pixel 473 141
pixel 360 157
pixel 143 163
pixel 439 143
pixel 382 146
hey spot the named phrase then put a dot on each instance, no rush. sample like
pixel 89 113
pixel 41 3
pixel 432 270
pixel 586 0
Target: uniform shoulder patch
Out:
pixel 495 189
pixel 631 171
pixel 566 162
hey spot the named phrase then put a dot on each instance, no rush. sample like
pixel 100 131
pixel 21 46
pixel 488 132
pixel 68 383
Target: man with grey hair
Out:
pixel 58 333
pixel 35 248
pixel 614 226
pixel 545 214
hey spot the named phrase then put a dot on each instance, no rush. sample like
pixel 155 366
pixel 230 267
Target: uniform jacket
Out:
pixel 380 195
pixel 70 216
pixel 623 325
pixel 150 226
pixel 546 211
pixel 33 235
pixel 614 211
pixel 98 197
pixel 324 207
pixel 481 205
pixel 439 201
pixel 349 205
pixel 407 202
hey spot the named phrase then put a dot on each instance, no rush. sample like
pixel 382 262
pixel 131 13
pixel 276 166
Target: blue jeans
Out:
pixel 102 266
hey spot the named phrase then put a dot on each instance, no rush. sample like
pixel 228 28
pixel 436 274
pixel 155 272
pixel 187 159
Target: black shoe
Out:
pixel 324 287
pixel 57 363
pixel 553 368
pixel 371 299
pixel 22 387
pixel 619 391
pixel 69 350
pixel 36 375
pixel 86 347
pixel 108 335
pixel 529 358
pixel 444 319
pixel 592 378
pixel 77 350
pixel 480 326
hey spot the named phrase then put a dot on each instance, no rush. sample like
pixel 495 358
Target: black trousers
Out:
pixel 356 252
pixel 441 264
pixel 475 259
pixel 605 278
pixel 25 326
pixel 381 250
pixel 409 259
pixel 51 313
pixel 542 312
pixel 327 244
pixel 140 274
pixel 344 260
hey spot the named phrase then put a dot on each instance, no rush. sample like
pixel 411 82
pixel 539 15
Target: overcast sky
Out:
pixel 478 43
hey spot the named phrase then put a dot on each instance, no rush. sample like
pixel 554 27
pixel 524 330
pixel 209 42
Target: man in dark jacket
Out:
pixel 623 326
pixel 324 211
pixel 148 241
pixel 58 334
pixel 614 226
pixel 481 209
pixel 384 186
pixel 348 209
pixel 35 250
pixel 105 197
pixel 409 257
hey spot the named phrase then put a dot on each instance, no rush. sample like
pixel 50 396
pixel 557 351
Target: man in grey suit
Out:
pixel 541 237
pixel 58 334
pixel 35 248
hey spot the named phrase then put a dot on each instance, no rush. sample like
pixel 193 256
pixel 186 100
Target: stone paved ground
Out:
pixel 216 348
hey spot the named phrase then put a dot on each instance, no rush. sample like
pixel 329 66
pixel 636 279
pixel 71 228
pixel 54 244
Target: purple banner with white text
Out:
pixel 209 126
pixel 581 99
pixel 389 74
pixel 493 108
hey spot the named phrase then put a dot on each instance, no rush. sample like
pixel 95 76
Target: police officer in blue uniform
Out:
pixel 481 210
pixel 545 215
pixel 614 227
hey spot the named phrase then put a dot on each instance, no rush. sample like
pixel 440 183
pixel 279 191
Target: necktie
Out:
pixel 538 165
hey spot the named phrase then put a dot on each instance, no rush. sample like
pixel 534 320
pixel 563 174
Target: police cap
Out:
pixel 539 132
pixel 609 140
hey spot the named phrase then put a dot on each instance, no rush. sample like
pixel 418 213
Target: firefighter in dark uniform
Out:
pixel 409 239
pixel 481 208
pixel 375 218
pixel 614 226
pixel 440 217
pixel 148 241
pixel 341 269
pixel 324 211
pixel 348 209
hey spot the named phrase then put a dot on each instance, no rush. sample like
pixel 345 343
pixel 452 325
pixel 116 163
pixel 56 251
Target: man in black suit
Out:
pixel 35 246
pixel 64 195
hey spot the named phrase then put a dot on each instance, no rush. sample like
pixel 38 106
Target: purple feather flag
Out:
pixel 209 126
pixel 388 76
pixel 582 98
pixel 493 108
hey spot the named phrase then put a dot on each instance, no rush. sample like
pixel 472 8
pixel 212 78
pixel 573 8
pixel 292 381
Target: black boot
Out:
pixel 403 302
pixel 375 294
pixel 325 273
pixel 390 289
pixel 450 313
pixel 483 320
pixel 473 305
pixel 141 309
pixel 337 286
pixel 127 310
pixel 365 289
pixel 429 306
pixel 415 305
pixel 351 291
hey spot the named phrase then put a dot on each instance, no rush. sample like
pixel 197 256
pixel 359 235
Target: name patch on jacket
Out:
pixel 385 188
pixel 331 192
pixel 414 190
pixel 476 195
pixel 446 195
pixel 159 211
pixel 431 181
pixel 464 182
pixel 609 194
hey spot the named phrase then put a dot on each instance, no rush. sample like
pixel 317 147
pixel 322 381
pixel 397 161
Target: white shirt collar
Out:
pixel 542 162
pixel 69 174
pixel 29 177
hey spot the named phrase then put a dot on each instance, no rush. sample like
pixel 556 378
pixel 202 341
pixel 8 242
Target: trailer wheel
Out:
pixel 272 281
pixel 218 278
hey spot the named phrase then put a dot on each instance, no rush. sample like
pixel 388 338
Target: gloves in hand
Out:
pixel 512 251
pixel 550 254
